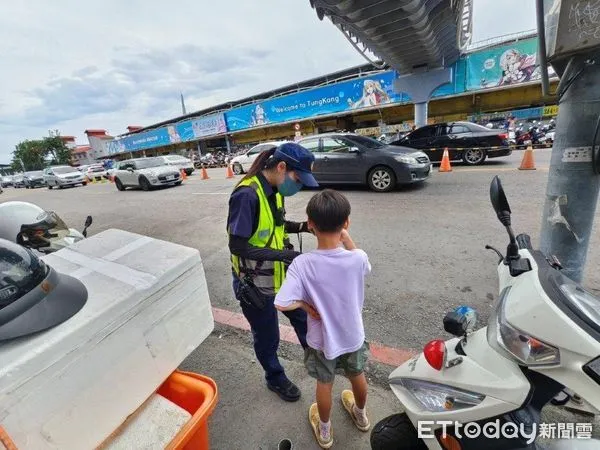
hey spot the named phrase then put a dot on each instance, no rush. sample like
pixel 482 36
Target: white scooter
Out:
pixel 44 240
pixel 485 389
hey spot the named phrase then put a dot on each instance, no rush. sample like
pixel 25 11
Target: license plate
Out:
pixel 171 177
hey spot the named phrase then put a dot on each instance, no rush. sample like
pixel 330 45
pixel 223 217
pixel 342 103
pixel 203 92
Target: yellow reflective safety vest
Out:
pixel 267 275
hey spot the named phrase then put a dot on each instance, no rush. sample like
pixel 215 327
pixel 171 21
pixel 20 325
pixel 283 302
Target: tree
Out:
pixel 37 154
pixel 29 155
pixel 56 148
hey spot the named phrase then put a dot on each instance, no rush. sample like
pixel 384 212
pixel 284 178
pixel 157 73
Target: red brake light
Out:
pixel 503 136
pixel 435 354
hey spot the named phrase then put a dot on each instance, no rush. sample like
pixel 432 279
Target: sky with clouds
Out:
pixel 73 65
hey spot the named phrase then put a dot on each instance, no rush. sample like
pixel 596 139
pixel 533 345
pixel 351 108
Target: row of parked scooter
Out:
pixel 535 133
pixel 213 160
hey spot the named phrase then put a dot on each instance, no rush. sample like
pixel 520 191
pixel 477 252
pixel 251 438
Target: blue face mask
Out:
pixel 289 187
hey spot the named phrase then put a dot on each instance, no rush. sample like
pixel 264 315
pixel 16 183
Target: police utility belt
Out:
pixel 247 291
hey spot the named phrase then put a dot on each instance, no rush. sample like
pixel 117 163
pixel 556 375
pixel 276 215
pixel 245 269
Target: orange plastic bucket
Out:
pixel 198 395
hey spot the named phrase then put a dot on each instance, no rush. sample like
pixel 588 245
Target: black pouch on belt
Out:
pixel 249 293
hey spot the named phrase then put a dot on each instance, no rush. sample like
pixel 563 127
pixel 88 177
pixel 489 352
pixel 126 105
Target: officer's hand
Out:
pixel 311 311
pixel 289 256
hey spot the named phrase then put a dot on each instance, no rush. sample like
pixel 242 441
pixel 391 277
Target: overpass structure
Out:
pixel 420 39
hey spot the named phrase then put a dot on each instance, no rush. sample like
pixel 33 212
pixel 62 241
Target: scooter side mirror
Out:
pixel 88 222
pixel 499 201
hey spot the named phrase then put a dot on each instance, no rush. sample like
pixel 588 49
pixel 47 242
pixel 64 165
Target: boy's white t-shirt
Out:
pixel 331 281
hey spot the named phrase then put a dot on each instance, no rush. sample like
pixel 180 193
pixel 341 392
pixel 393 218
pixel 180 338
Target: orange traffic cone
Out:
pixel 527 163
pixel 204 174
pixel 445 166
pixel 229 172
pixel 6 441
pixel 183 175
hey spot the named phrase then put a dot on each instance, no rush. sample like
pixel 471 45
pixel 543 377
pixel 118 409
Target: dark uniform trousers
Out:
pixel 264 324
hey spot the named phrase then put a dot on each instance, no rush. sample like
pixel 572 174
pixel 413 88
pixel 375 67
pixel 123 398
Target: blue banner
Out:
pixel 170 134
pixel 351 95
pixel 139 141
pixel 209 125
pixel 504 65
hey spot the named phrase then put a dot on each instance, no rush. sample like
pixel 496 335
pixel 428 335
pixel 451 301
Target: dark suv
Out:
pixel 347 158
pixel 464 140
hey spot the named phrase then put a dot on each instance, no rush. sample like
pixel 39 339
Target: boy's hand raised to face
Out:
pixel 346 240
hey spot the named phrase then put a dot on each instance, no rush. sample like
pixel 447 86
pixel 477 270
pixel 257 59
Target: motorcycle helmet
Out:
pixel 33 296
pixel 30 226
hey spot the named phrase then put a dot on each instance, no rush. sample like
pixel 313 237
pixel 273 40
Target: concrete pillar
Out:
pixel 420 86
pixel 573 186
pixel 228 144
pixel 421 110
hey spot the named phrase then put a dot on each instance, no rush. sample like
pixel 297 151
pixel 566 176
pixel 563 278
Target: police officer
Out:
pixel 260 251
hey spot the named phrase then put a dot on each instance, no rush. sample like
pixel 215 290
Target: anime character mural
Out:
pixel 259 116
pixel 517 67
pixel 173 135
pixel 372 95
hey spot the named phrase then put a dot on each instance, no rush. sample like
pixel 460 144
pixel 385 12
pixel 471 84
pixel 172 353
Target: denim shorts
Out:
pixel 323 369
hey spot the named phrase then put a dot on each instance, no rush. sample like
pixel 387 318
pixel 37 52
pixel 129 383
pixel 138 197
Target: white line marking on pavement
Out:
pixel 499 169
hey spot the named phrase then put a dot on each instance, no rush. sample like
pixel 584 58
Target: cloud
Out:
pixel 157 74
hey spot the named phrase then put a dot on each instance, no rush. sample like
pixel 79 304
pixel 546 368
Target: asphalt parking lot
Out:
pixel 425 243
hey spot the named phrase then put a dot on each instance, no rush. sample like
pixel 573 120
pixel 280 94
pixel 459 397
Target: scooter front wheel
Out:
pixel 396 432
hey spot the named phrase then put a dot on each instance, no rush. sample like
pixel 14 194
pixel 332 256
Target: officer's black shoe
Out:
pixel 287 390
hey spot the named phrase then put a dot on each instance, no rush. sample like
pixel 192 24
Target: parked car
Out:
pixel 146 173
pixel 352 159
pixel 34 179
pixel 95 172
pixel 241 163
pixel 465 141
pixel 181 162
pixel 18 181
pixel 62 176
pixel 6 181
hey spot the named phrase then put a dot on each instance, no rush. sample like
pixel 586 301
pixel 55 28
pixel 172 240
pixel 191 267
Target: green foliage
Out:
pixel 40 153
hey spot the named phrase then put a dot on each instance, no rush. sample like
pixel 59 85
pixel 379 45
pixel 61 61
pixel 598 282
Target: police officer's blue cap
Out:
pixel 298 159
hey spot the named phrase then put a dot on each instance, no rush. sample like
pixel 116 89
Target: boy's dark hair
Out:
pixel 328 210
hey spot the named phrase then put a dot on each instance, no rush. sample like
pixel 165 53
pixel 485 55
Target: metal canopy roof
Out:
pixel 409 35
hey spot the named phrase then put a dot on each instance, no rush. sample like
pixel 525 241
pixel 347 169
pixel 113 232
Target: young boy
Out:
pixel 328 284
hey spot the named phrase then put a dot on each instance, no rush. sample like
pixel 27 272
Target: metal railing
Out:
pixel 491 42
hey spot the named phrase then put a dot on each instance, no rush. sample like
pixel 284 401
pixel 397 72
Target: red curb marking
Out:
pixel 389 355
pixel 380 353
pixel 221 315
